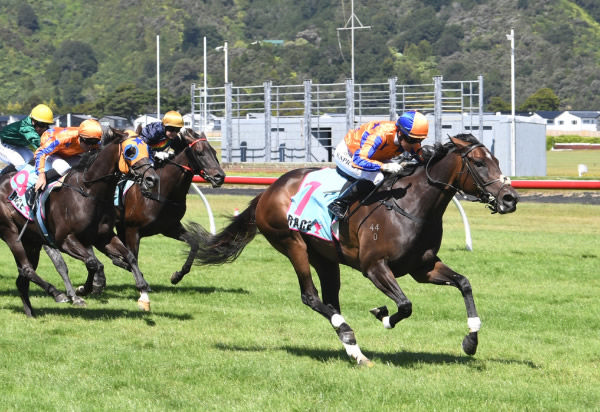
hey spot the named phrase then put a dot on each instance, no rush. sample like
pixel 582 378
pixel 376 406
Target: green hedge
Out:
pixel 569 138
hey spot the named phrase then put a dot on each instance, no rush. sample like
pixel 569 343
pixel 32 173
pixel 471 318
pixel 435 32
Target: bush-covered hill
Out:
pixel 99 56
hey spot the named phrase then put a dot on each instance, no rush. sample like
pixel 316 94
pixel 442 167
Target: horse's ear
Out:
pixel 138 129
pixel 458 142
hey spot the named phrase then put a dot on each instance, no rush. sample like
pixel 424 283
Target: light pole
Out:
pixel 224 48
pixel 513 140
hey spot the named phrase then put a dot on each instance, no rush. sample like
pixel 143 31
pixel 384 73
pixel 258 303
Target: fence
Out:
pixel 299 123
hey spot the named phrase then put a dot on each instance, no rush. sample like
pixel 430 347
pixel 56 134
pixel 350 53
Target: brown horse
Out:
pixel 397 230
pixel 79 215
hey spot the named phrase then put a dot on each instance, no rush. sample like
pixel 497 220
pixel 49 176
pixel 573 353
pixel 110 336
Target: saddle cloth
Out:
pixel 21 183
pixel 308 210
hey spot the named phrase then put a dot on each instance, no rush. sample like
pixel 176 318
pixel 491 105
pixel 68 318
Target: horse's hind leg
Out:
pixel 443 275
pixel 61 267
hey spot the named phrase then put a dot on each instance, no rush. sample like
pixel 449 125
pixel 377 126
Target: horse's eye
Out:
pixel 479 163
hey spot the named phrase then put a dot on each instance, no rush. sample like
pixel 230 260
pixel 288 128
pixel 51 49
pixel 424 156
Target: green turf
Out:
pixel 237 337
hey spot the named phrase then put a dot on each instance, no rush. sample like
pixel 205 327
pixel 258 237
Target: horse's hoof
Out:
pixel 61 298
pixel 380 312
pixel 97 290
pixel 77 301
pixel 144 305
pixel 176 278
pixel 82 291
pixel 365 362
pixel 469 343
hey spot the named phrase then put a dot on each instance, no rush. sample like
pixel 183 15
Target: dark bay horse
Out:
pixel 146 213
pixel 160 212
pixel 80 215
pixel 397 231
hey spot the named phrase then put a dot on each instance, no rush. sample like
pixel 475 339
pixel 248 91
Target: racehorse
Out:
pixel 397 230
pixel 79 215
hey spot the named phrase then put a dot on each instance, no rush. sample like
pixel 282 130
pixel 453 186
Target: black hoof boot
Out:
pixel 469 343
pixel 380 312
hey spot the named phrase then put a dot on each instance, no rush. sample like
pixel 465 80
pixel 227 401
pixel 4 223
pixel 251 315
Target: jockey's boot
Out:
pixel 51 176
pixel 339 207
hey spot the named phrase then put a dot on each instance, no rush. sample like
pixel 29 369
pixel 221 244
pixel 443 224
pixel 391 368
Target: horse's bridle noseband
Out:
pixel 483 195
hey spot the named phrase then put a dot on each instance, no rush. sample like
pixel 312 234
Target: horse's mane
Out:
pixel 440 150
pixel 185 137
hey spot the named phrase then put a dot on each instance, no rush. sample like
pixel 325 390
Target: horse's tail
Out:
pixel 225 246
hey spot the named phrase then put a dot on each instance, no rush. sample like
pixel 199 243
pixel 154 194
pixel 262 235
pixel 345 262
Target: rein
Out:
pixel 186 169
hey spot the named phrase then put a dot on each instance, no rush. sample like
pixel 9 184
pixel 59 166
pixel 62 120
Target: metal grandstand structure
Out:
pixel 303 122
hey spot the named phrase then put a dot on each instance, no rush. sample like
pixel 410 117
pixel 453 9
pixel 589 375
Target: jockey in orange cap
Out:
pixel 365 154
pixel 61 148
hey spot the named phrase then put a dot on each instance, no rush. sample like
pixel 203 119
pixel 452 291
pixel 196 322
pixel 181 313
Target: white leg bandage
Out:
pixel 144 297
pixel 474 324
pixel 386 322
pixel 337 320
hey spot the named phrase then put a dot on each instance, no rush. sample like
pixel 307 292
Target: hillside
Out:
pixel 101 55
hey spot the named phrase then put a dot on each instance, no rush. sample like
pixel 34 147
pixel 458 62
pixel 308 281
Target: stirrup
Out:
pixel 338 209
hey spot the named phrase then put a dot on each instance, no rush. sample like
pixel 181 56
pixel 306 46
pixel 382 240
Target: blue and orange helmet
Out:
pixel 413 124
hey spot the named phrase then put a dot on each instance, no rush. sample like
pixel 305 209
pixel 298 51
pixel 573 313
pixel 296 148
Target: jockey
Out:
pixel 160 136
pixel 19 138
pixel 366 152
pixel 62 148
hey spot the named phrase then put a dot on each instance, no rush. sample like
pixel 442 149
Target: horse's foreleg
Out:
pixel 184 236
pixel 382 277
pixel 61 267
pixel 23 288
pixel 443 275
pixel 116 250
pixel 297 253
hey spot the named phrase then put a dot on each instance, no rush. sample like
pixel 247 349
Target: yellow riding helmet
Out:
pixel 131 133
pixel 42 114
pixel 90 129
pixel 173 119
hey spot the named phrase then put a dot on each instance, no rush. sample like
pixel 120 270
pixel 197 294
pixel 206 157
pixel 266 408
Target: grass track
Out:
pixel 237 337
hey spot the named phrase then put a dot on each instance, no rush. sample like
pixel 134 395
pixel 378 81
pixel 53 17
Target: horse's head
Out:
pixel 480 175
pixel 134 159
pixel 202 157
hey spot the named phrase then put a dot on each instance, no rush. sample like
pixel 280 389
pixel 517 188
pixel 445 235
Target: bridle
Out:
pixel 195 167
pixel 482 194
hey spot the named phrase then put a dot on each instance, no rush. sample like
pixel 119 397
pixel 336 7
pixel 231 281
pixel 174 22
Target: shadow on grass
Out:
pixel 403 359
pixel 100 314
pixel 122 291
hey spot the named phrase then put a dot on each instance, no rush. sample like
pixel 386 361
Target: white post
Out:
pixel 513 140
pixel 157 77
pixel 352 31
pixel 225 50
pixel 205 92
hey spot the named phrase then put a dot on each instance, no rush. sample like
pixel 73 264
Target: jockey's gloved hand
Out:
pixel 391 168
pixel 162 156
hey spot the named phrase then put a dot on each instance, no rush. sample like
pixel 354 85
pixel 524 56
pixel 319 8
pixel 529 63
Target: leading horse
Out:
pixel 397 231
pixel 79 215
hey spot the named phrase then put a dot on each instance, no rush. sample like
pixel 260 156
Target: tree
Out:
pixel 497 104
pixel 26 17
pixel 543 99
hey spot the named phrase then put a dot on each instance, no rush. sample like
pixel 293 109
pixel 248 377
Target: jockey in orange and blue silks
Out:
pixel 62 147
pixel 366 153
